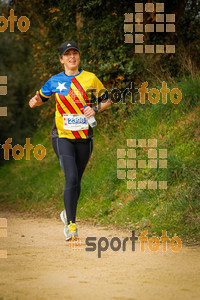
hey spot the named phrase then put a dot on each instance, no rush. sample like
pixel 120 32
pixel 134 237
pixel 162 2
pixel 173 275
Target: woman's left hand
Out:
pixel 89 111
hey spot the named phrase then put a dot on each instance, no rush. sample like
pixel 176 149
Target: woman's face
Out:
pixel 70 59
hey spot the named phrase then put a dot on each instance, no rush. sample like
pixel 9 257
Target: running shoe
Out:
pixel 70 231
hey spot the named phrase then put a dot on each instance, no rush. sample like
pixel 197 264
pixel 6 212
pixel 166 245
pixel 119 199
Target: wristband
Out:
pixel 95 109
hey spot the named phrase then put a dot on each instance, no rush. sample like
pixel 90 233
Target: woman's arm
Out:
pixel 89 111
pixel 103 105
pixel 36 101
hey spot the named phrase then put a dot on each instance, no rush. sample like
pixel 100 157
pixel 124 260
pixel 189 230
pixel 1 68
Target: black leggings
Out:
pixel 73 157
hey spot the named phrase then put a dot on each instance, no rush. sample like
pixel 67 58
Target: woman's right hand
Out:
pixel 35 101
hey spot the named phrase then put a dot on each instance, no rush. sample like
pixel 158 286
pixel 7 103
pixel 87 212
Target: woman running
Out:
pixel 72 136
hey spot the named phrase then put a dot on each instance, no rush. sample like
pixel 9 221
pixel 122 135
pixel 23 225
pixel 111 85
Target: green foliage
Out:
pixel 100 35
pixel 20 83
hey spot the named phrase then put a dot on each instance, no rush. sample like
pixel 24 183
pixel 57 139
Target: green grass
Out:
pixel 38 185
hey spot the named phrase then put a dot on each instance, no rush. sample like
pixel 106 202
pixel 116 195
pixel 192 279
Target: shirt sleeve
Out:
pixel 100 92
pixel 46 91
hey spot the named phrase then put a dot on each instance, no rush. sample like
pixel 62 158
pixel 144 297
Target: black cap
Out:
pixel 68 45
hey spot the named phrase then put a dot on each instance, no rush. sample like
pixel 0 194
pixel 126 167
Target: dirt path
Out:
pixel 42 265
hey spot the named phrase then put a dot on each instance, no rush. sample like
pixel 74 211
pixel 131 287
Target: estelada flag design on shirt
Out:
pixel 71 94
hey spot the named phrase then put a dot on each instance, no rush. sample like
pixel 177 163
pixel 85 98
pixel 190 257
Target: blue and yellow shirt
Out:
pixel 71 94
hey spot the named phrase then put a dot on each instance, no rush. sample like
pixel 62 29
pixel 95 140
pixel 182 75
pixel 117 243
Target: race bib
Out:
pixel 75 122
